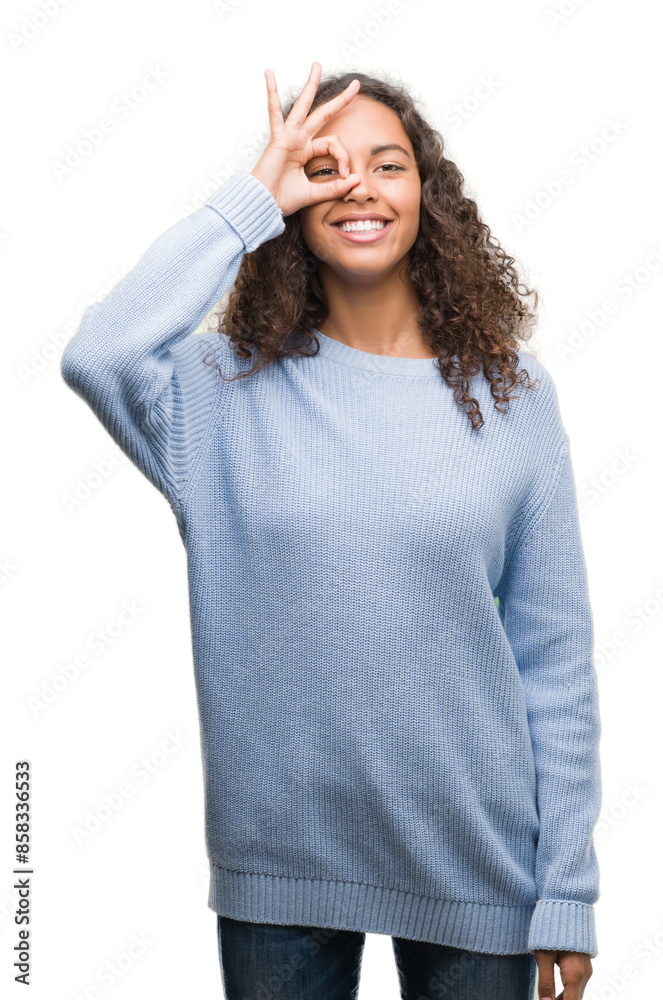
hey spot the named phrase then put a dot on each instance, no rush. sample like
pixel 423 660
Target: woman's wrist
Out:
pixel 260 176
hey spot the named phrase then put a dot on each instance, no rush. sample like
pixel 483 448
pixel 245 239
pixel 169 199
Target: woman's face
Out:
pixel 388 186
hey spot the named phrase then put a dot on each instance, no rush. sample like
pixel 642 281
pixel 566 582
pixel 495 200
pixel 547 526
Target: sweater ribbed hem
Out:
pixel 280 899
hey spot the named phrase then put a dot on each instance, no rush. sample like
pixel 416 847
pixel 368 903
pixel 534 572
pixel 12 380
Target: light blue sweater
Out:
pixel 385 748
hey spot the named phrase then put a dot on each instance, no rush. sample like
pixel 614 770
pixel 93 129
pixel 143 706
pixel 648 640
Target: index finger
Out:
pixel 317 118
pixel 274 109
pixel 299 110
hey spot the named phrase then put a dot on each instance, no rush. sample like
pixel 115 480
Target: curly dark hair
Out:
pixel 471 310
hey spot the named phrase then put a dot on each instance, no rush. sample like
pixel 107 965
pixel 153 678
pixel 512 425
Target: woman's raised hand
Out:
pixel 291 145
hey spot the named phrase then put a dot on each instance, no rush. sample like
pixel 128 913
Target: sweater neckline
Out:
pixel 378 363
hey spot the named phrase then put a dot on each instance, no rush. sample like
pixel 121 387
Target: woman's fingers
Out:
pixel 299 110
pixel 273 102
pixel 281 169
pixel 332 144
pixel 336 187
pixel 317 118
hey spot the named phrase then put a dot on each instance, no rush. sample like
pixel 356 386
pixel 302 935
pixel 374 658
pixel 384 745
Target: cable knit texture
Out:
pixel 391 627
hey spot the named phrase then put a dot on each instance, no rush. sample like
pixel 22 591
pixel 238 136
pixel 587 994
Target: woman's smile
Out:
pixel 364 235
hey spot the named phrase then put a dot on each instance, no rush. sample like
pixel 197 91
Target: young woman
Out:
pixel 391 625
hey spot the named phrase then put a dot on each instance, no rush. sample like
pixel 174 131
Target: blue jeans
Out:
pixel 292 962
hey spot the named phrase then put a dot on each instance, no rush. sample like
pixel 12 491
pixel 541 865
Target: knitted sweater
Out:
pixel 385 746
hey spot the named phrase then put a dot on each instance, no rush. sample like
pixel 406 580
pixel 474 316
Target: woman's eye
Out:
pixel 394 166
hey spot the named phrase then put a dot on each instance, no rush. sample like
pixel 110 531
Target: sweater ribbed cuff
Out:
pixel 249 207
pixel 563 925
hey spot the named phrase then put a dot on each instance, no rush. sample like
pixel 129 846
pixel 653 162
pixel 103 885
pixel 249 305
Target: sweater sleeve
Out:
pixel 546 613
pixel 132 359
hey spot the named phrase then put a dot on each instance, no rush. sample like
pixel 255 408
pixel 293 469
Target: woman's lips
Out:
pixel 367 236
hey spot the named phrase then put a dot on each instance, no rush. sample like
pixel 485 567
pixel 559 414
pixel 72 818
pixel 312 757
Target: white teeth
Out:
pixel 362 227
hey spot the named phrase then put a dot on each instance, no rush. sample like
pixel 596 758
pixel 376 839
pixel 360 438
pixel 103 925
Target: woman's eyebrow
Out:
pixel 391 145
pixel 372 152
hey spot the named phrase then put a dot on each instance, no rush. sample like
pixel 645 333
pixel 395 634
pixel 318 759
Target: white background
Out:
pixel 536 82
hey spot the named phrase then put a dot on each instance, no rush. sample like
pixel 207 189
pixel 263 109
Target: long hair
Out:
pixel 472 312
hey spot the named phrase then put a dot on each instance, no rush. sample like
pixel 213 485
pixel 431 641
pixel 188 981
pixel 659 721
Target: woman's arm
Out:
pixel 131 358
pixel 546 612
